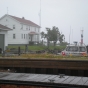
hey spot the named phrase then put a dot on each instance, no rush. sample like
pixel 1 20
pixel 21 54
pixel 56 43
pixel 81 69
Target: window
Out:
pixel 29 37
pixel 26 27
pixel 22 26
pixel 38 30
pixel 72 48
pixel 82 49
pixel 13 26
pixel 14 36
pixel 24 36
pixel 37 37
pixel 35 28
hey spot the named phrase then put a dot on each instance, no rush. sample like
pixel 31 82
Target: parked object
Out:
pixel 19 50
pixel 0 50
pixel 87 49
pixel 75 50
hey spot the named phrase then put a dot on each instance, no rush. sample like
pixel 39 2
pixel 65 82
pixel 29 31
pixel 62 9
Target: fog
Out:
pixel 70 16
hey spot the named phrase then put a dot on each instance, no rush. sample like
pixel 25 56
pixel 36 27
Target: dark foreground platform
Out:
pixel 45 63
pixel 22 80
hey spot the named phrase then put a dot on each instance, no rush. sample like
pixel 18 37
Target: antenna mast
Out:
pixel 82 36
pixel 40 15
pixel 7 10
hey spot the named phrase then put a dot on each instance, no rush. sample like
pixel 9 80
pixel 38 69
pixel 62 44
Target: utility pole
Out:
pixel 39 19
pixel 82 36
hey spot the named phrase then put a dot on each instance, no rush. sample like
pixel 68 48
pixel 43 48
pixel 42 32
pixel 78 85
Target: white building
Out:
pixel 23 31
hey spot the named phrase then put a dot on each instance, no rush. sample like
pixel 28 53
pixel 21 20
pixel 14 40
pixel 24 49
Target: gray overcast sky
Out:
pixel 61 13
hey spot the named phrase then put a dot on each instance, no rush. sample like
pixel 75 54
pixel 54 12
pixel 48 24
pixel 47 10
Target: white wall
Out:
pixel 10 22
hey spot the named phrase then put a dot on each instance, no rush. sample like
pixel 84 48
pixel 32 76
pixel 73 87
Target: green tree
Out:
pixel 53 35
pixel 61 38
pixel 42 34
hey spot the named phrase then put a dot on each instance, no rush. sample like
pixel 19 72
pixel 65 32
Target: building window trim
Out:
pixel 24 36
pixel 14 27
pixel 26 27
pixel 21 26
pixel 14 36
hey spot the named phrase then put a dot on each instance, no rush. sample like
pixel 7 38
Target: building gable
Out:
pixel 6 15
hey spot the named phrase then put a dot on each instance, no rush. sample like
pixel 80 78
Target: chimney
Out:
pixel 23 18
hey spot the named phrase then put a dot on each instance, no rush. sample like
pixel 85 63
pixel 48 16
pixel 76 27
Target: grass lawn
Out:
pixel 0 55
pixel 46 56
pixel 37 47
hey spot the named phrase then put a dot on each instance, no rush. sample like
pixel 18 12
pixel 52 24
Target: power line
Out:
pixel 7 10
pixel 69 34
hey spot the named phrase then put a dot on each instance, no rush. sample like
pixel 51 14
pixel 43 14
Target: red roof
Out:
pixel 23 20
pixel 4 27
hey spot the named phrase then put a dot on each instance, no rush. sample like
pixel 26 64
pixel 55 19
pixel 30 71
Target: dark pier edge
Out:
pixel 68 67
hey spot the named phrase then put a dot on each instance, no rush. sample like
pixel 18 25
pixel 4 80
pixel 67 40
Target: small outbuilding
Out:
pixel 3 37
